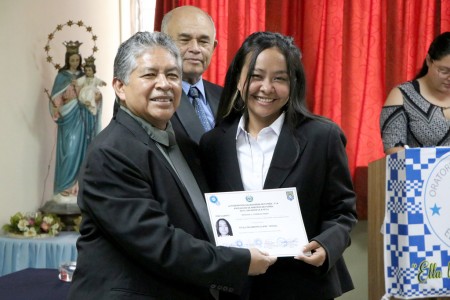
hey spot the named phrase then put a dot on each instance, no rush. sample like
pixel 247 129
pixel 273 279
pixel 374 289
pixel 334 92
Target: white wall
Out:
pixel 28 134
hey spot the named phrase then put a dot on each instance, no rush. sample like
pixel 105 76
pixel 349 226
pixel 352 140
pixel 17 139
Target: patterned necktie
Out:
pixel 193 93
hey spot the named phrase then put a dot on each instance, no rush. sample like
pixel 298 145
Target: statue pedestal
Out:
pixel 67 212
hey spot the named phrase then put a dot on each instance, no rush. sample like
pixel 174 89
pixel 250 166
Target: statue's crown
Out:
pixel 72 47
pixel 90 61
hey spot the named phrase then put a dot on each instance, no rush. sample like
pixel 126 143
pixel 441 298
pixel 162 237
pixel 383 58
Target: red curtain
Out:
pixel 354 52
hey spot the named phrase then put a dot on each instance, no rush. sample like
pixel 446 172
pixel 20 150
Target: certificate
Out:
pixel 269 220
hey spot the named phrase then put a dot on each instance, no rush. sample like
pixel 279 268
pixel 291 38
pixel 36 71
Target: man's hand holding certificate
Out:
pixel 269 220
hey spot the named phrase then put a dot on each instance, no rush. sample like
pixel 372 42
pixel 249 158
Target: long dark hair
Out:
pixel 232 105
pixel 439 48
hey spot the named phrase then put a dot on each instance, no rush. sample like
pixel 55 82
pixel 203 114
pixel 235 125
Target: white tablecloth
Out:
pixel 17 254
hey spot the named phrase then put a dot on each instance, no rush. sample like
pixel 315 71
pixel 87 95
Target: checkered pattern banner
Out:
pixel 417 224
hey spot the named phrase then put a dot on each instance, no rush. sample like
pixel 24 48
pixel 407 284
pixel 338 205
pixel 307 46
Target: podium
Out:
pixel 375 215
pixel 405 181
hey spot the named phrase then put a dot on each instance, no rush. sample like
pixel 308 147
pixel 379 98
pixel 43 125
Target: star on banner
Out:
pixel 435 209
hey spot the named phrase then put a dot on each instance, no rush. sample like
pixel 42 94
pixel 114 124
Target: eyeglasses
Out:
pixel 442 71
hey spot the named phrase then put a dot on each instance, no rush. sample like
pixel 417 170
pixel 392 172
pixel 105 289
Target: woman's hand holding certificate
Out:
pixel 313 254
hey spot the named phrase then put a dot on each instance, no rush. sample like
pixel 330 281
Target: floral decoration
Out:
pixel 33 225
pixel 77 223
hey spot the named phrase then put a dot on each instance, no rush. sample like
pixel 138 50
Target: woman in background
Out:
pixel 265 138
pixel 417 112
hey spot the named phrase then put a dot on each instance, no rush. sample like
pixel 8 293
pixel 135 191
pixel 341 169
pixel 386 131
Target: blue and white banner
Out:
pixel 417 224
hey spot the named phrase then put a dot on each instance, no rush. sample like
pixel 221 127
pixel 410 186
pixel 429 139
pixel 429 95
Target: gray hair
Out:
pixel 130 50
pixel 168 16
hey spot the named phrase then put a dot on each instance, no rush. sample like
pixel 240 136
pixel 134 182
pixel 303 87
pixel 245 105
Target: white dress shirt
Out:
pixel 255 154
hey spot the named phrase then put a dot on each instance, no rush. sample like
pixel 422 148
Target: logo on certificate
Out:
pixel 290 195
pixel 249 198
pixel 213 199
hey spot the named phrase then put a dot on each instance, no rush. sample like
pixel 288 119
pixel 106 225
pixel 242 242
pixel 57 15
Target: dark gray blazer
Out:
pixel 185 120
pixel 311 158
pixel 141 235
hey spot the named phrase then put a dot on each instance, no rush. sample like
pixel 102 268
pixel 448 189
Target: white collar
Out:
pixel 276 126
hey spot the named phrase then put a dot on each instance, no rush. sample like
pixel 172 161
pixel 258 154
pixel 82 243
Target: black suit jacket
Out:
pixel 185 120
pixel 141 235
pixel 311 158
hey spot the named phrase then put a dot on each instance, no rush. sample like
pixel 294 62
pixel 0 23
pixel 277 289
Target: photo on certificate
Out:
pixel 269 220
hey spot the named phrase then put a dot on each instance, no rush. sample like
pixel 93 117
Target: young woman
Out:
pixel 266 138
